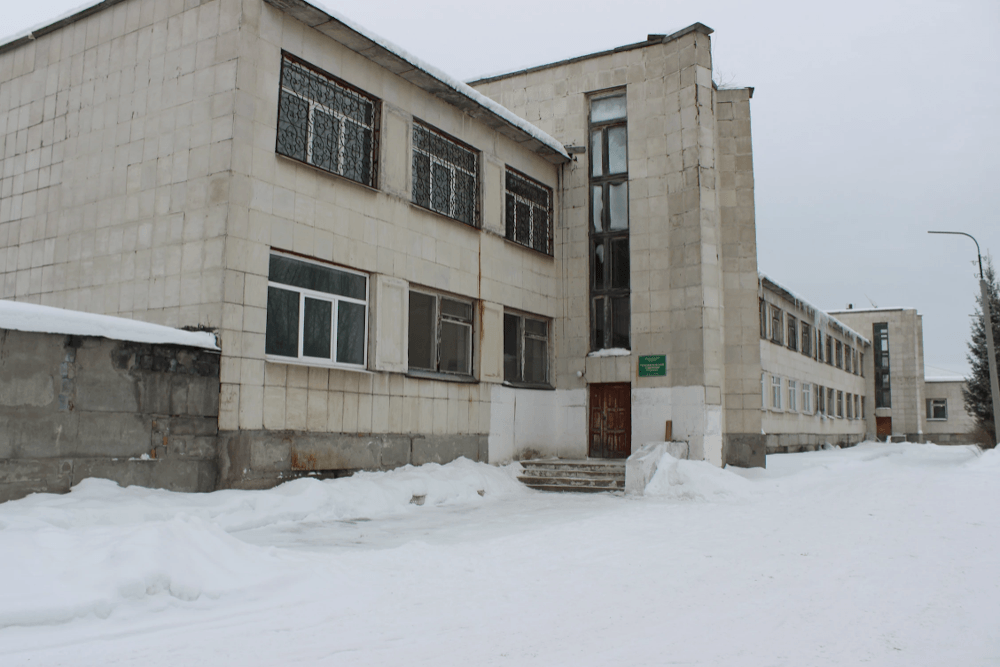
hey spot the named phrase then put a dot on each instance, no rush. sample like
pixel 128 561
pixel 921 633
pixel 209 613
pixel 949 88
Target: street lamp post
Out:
pixel 988 325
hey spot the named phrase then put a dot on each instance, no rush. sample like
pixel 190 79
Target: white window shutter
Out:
pixel 389 339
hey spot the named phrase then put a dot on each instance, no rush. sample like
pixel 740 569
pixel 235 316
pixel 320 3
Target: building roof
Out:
pixel 650 40
pixel 870 310
pixel 21 316
pixel 791 296
pixel 378 50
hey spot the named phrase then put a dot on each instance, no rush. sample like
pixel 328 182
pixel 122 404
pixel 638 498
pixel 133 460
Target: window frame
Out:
pixel 523 334
pixel 776 389
pixel 510 232
pixel 439 319
pixel 793 390
pixel 793 333
pixel 937 402
pixel 806 334
pixel 807 407
pixel 288 59
pixel 476 222
pixel 335 299
pixel 840 404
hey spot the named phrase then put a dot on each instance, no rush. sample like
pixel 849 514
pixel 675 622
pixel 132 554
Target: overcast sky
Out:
pixel 873 122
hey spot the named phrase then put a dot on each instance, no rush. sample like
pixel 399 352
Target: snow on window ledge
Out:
pixel 611 352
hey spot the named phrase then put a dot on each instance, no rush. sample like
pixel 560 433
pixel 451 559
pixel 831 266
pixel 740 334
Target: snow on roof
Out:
pixel 821 316
pixel 945 378
pixel 21 316
pixel 361 40
pixel 868 310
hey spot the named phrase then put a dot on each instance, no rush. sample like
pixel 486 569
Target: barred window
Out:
pixel 326 123
pixel 528 212
pixel 316 313
pixel 525 350
pixel 445 175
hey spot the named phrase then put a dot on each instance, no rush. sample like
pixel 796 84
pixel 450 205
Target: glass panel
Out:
pixel 620 322
pixel 618 198
pixel 509 217
pixel 422 331
pixel 357 153
pixel 599 319
pixel 458 309
pixel 421 180
pixel 535 360
pixel 455 342
pixel 535 328
pixel 597 206
pixel 326 136
pixel 350 333
pixel 617 150
pixel 522 229
pixel 315 277
pixel 465 198
pixel 596 154
pixel 511 335
pixel 598 264
pixel 540 229
pixel 441 188
pixel 317 328
pixel 620 272
pixel 607 108
pixel 282 322
pixel 293 124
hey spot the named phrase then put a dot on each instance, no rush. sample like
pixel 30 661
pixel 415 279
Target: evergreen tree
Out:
pixel 978 401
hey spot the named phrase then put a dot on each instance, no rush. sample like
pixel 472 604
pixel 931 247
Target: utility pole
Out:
pixel 990 348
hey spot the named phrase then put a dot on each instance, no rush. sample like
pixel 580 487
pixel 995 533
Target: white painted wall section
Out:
pixel 554 423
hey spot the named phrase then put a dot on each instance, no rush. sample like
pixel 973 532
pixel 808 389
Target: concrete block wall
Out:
pixel 959 426
pixel 742 393
pixel 117 140
pixel 76 407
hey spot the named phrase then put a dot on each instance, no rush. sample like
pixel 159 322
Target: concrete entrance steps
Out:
pixel 584 475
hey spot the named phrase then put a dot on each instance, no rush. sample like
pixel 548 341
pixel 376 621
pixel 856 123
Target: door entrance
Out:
pixel 883 428
pixel 610 421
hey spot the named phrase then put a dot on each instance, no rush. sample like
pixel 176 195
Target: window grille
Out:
pixel 445 175
pixel 316 313
pixel 776 325
pixel 806 340
pixel 883 389
pixel 528 212
pixel 326 123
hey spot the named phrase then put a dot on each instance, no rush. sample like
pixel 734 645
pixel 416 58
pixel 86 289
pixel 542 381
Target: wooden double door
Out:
pixel 610 424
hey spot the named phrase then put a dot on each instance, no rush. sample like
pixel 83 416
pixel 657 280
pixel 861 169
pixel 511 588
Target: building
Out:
pixel 814 385
pixel 896 366
pixel 400 269
pixel 947 421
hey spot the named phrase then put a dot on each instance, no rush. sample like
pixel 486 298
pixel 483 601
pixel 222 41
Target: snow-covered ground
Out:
pixel 879 554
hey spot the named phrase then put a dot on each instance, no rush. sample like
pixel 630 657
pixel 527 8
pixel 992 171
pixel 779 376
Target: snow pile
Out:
pixel 681 479
pixel 21 316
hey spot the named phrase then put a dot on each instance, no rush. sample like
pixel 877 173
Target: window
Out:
pixel 840 404
pixel 847 358
pixel 445 175
pixel 857 407
pixel 854 361
pixel 528 212
pixel 440 338
pixel 775 392
pixel 793 393
pixel 829 350
pixel 830 405
pixel 840 354
pixel 316 313
pixel 883 390
pixel 793 336
pixel 324 122
pixel 819 346
pixel 776 325
pixel 863 409
pixel 763 391
pixel 610 260
pixel 850 412
pixel 937 408
pixel 525 349
pixel 807 398
pixel 763 318
pixel 820 401
pixel 806 340
pixel 861 364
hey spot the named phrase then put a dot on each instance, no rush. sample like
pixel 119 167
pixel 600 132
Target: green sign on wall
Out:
pixel 652 365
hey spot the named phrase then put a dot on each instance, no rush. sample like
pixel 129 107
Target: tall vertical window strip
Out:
pixel 528 212
pixel 326 123
pixel 609 230
pixel 883 390
pixel 445 175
